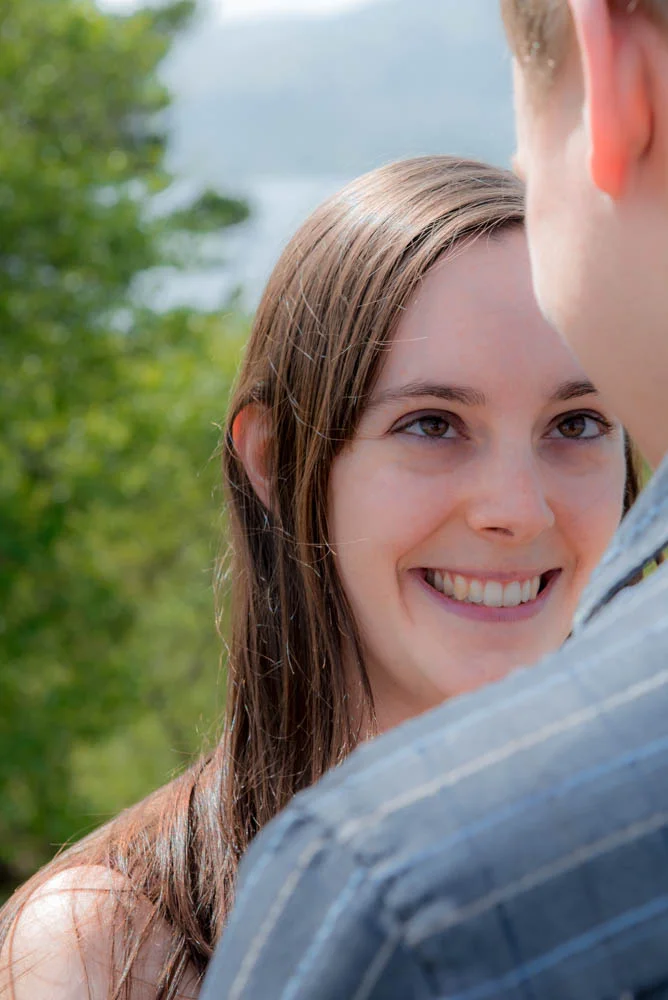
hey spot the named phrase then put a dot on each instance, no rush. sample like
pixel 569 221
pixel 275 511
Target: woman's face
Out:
pixel 481 488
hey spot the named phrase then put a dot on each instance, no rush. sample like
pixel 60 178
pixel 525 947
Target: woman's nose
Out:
pixel 510 500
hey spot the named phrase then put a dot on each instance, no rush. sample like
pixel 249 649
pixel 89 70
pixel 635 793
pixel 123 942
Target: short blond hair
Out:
pixel 539 31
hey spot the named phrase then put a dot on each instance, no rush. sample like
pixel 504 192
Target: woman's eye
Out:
pixel 578 427
pixel 430 426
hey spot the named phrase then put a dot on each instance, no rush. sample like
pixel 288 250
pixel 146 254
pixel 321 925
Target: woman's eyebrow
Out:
pixel 573 389
pixel 463 394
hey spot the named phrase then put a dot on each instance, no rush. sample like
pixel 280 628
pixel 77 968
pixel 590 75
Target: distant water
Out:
pixel 278 206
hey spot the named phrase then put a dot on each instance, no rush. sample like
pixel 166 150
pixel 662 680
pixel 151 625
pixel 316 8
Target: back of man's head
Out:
pixel 591 85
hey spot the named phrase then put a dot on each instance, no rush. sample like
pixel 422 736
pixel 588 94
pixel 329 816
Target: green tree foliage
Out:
pixel 108 410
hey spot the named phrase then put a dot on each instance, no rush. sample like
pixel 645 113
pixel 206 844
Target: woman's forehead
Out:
pixel 474 321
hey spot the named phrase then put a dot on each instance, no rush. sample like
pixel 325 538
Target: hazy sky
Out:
pixel 248 9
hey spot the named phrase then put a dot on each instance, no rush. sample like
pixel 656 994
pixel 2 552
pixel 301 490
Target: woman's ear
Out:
pixel 250 434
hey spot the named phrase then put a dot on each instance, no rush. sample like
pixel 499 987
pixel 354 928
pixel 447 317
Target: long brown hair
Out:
pixel 316 348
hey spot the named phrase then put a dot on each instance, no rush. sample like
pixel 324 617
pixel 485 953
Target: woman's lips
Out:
pixel 496 615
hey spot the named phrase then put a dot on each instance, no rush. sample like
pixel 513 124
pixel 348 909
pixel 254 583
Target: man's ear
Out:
pixel 617 95
pixel 250 434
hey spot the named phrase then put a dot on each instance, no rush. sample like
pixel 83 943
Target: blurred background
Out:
pixel 154 159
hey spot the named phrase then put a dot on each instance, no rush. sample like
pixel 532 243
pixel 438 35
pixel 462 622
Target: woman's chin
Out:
pixel 477 667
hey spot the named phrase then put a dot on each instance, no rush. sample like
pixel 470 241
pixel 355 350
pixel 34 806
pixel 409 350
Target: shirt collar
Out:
pixel 641 537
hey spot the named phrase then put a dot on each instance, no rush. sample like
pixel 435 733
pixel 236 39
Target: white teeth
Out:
pixel 493 597
pixel 512 595
pixel 492 593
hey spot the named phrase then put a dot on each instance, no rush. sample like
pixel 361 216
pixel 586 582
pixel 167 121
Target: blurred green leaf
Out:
pixel 210 213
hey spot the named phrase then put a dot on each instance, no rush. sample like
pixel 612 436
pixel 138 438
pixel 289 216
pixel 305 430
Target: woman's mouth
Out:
pixel 490 599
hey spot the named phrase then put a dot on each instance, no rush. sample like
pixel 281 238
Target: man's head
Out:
pixel 591 88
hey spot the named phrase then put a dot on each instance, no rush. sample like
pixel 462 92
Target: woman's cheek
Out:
pixel 591 511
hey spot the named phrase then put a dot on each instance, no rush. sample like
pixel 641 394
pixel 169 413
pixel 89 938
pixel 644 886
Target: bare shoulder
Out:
pixel 65 943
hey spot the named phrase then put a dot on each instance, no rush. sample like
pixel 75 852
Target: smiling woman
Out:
pixel 480 489
pixel 420 481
